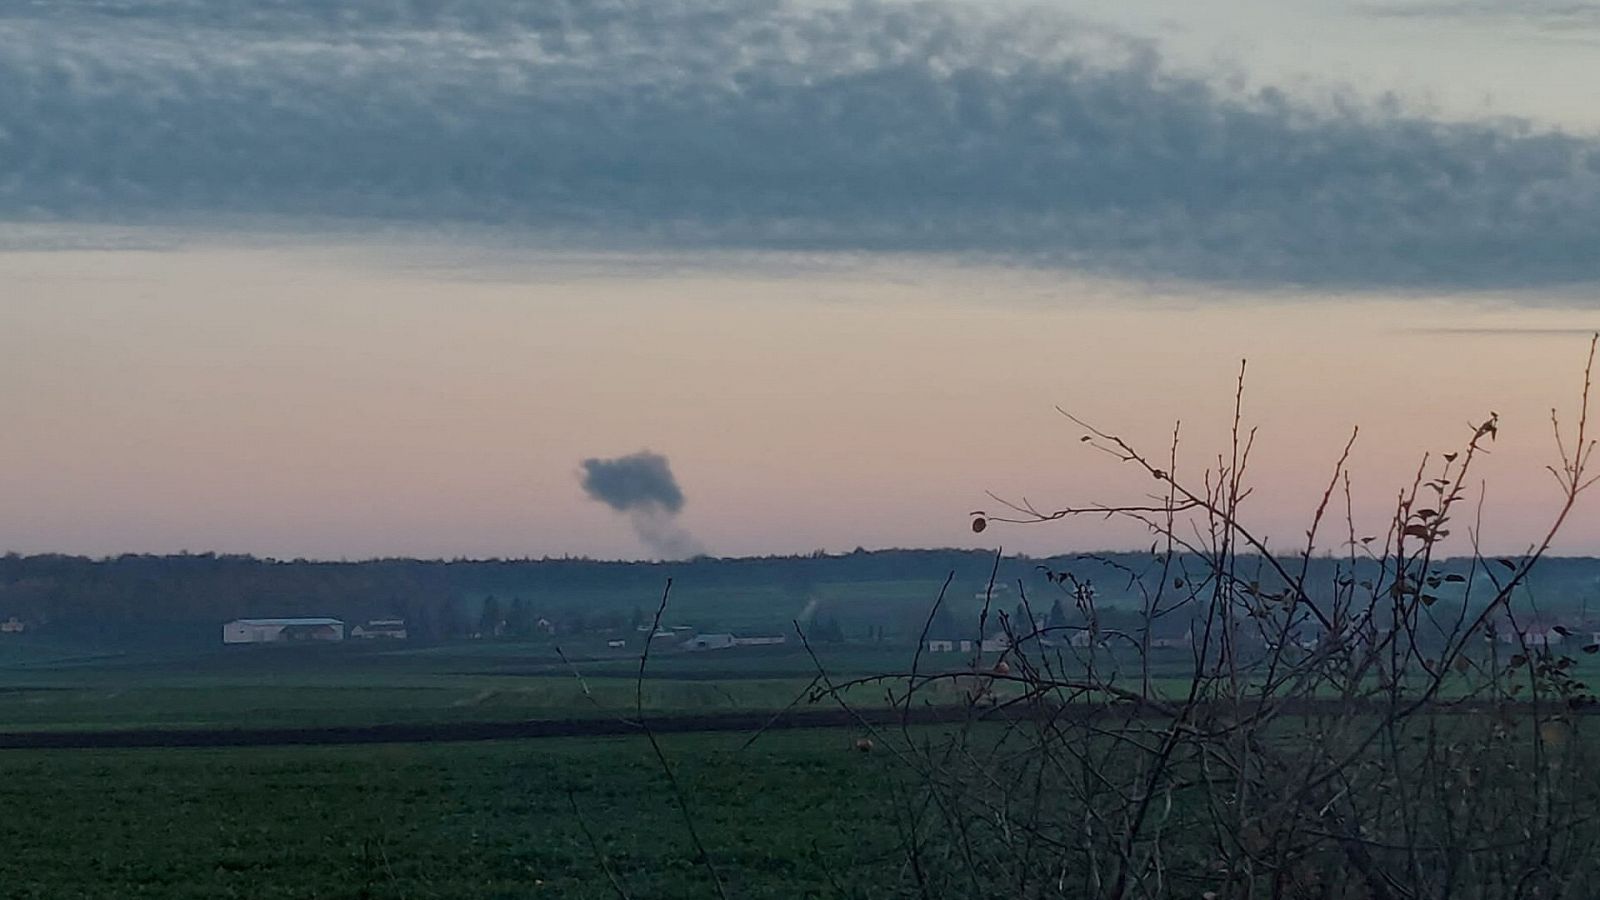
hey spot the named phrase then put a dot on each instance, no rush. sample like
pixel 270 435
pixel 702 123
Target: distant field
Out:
pixel 796 815
pixel 45 686
pixel 261 687
pixel 799 814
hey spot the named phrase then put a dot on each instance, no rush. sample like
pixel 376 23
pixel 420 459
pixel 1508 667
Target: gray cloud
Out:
pixel 1550 14
pixel 1493 331
pixel 942 127
pixel 642 486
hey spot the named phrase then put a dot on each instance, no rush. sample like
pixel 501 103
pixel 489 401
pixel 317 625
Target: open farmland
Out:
pixel 294 687
pixel 508 765
pixel 798 814
pixel 67 688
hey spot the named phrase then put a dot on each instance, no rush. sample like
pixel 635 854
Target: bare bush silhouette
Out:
pixel 1384 725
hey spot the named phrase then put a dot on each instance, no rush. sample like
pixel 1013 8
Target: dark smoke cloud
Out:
pixel 635 481
pixel 642 485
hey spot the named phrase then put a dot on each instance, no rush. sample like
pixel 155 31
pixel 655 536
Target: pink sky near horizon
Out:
pixel 334 403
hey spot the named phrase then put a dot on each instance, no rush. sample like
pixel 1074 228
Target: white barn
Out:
pixel 272 631
pixel 381 629
pixel 760 640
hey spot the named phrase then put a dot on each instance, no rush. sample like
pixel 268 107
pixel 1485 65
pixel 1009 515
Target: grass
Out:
pixel 62 688
pixel 59 686
pixel 472 700
pixel 798 814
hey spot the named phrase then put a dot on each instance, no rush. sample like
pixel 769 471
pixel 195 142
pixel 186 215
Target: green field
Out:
pixel 62 687
pixel 263 687
pixel 797 814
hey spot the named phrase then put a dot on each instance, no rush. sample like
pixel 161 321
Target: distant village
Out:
pixel 324 629
pixel 1120 628
pixel 944 633
pixel 303 629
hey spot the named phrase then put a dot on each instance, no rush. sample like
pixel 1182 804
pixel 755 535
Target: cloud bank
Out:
pixel 876 125
pixel 1555 15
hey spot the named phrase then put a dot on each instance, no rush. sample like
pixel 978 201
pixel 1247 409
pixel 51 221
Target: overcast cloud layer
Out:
pixel 943 127
pixel 1552 14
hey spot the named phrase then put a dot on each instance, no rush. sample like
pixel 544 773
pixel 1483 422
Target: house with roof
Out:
pixel 1534 633
pixel 759 640
pixel 709 642
pixel 1537 633
pixel 998 642
pixel 287 630
pixel 380 629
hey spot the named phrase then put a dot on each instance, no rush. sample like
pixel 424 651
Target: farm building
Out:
pixel 616 643
pixel 273 631
pixel 724 641
pixel 381 629
pixel 1537 633
pixel 996 643
pixel 1086 638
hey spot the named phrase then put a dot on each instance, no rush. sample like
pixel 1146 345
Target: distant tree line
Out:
pixel 139 595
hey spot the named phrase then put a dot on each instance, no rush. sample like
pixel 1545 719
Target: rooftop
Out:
pixel 286 622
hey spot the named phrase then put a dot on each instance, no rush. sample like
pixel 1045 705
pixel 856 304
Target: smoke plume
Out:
pixel 642 486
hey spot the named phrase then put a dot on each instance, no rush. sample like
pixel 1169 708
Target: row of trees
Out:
pixel 138 595
pixel 520 617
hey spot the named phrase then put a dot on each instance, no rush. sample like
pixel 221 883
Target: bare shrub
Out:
pixel 1380 724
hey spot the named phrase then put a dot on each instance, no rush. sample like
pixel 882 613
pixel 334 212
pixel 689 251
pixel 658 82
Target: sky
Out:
pixel 384 278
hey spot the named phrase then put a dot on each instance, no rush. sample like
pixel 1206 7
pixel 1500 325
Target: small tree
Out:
pixel 490 620
pixel 827 630
pixel 519 618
